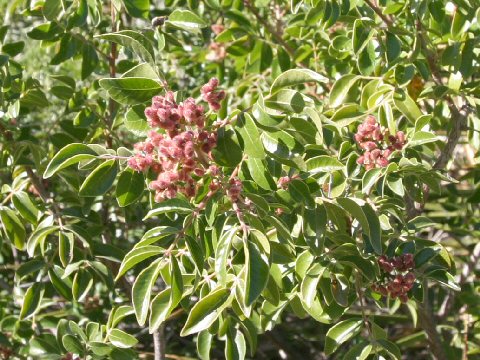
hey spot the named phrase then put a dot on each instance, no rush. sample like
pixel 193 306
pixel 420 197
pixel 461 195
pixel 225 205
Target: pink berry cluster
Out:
pixel 234 189
pixel 283 182
pixel 377 143
pixel 399 278
pixel 183 151
pixel 211 95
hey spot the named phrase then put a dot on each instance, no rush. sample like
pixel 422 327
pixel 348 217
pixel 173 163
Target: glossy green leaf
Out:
pixel 130 187
pixel 204 344
pixel 142 290
pixel 248 131
pixel 367 218
pixel 137 255
pixel 31 301
pixel 131 91
pixel 121 339
pixel 323 164
pixel 421 138
pixel 100 180
pixel 69 155
pixel 290 101
pixel 341 332
pixel 294 77
pixel 206 311
pixel 186 20
pixel 171 205
pixel 308 289
pixel 134 40
pixel 72 344
pixel 13 227
pixel 341 88
pixel 135 121
pixel 257 272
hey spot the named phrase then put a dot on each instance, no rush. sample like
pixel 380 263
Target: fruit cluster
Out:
pixel 183 151
pixel 211 95
pixel 377 143
pixel 398 279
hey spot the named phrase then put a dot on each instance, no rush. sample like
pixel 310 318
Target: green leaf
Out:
pixel 295 77
pixel 137 255
pixel 259 173
pixel 341 88
pixel 160 308
pixel 135 121
pixel 142 290
pixel 287 100
pixel 341 332
pixel 118 314
pixel 308 288
pixel 131 90
pixel 89 60
pixel 134 40
pixel 390 348
pixel 366 60
pixel 257 272
pixel 82 283
pixel 69 155
pixel 196 252
pixel 100 180
pixel 367 218
pixel 65 247
pixel 281 144
pixel 248 131
pixel 323 164
pixel 359 352
pixel 171 205
pixel 176 283
pixel 206 311
pixel 186 20
pixel 421 138
pixel 143 70
pixel 13 227
pixel 72 344
pixel 406 105
pixel 51 9
pixel 394 47
pixel 204 344
pixel 155 234
pixel 444 278
pixel 121 339
pixel 222 252
pixel 99 348
pixel 370 178
pixel 260 58
pixel 235 347
pixel 37 236
pixel 130 187
pixel 228 151
pixel 137 8
pixel 31 301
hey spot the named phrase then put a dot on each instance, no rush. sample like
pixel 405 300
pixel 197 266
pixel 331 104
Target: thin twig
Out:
pixel 159 343
pixel 379 12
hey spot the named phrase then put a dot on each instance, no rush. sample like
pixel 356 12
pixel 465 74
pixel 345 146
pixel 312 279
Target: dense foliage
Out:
pixel 239 179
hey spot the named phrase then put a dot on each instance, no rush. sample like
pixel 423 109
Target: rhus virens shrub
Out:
pixel 228 179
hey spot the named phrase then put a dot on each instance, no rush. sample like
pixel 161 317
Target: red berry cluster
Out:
pixel 377 144
pixel 399 279
pixel 211 95
pixel 183 151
